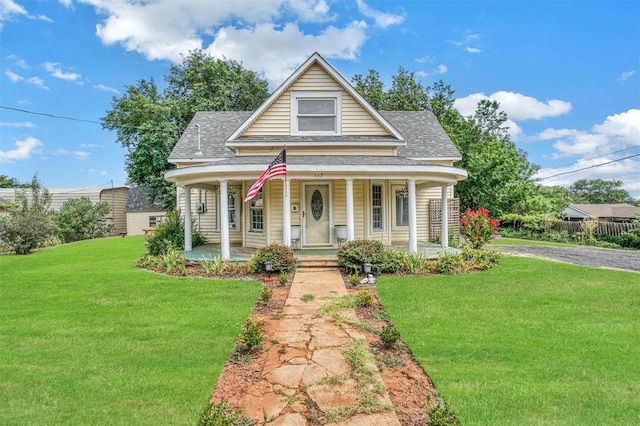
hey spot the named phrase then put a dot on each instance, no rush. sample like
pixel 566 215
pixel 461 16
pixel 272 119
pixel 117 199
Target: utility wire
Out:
pixel 586 168
pixel 593 158
pixel 62 117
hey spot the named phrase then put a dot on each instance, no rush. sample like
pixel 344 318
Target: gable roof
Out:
pixel 315 59
pixel 621 210
pixel 138 201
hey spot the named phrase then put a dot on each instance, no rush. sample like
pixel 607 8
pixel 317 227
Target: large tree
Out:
pixel 149 121
pixel 7 182
pixel 599 191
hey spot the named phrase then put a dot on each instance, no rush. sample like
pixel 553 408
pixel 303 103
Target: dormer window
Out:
pixel 316 113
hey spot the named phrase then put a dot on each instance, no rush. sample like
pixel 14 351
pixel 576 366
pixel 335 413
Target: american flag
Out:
pixel 277 167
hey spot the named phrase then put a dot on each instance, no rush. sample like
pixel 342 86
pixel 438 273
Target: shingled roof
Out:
pixel 138 202
pixel 425 138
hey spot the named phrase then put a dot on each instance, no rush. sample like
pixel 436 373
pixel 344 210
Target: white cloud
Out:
pixel 425 59
pixel 61 151
pixel 618 136
pixel 104 88
pixel 27 124
pixel 54 69
pixel 311 10
pixel 23 149
pixel 13 76
pixel 626 75
pixel 254 46
pixel 422 74
pixel 17 61
pixel 518 107
pixel 37 81
pixel 381 19
pixel 472 49
pixel 81 155
pixel 440 69
pixel 91 145
pixel 10 9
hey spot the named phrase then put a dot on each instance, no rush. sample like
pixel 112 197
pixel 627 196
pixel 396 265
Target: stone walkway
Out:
pixel 307 367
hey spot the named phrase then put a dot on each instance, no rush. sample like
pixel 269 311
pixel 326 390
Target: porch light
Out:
pixel 367 268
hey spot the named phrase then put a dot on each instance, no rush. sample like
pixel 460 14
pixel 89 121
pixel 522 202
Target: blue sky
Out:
pixel 566 72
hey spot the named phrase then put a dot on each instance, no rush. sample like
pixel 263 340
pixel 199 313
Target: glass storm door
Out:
pixel 316 215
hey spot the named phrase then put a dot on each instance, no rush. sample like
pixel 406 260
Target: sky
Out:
pixel 567 73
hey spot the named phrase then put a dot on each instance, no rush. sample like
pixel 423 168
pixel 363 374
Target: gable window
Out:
pixel 315 113
pixel 256 212
pixel 401 206
pixel 376 207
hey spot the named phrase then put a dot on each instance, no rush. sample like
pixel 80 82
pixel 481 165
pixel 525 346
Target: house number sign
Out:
pixel 317 205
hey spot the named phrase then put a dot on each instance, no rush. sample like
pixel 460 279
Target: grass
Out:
pixel 529 342
pixel 522 242
pixel 87 339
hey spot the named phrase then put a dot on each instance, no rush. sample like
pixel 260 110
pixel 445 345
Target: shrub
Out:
pixel 354 254
pixel 354 279
pixel 172 261
pixel 449 263
pixel 148 262
pixel 283 278
pixel 170 233
pixel 629 239
pixel 478 227
pixel 29 221
pixel 415 263
pixel 389 336
pixel 481 259
pixel 215 266
pixel 441 415
pixel 364 298
pixel 266 293
pixel 251 335
pixel 80 219
pixel 282 258
pixel 393 261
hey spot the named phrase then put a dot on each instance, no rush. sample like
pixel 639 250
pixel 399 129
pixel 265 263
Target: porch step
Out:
pixel 317 262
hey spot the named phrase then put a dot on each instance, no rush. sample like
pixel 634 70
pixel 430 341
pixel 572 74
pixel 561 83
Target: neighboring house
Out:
pixel 352 172
pixel 115 197
pixel 602 212
pixel 142 215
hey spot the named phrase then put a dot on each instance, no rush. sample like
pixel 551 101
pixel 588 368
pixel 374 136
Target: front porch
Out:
pixel 242 254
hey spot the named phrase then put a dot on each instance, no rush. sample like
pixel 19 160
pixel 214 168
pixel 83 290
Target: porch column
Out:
pixel 224 221
pixel 445 217
pixel 413 229
pixel 350 221
pixel 187 219
pixel 286 212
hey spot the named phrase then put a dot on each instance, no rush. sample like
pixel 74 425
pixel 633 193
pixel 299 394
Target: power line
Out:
pixel 586 168
pixel 62 117
pixel 593 158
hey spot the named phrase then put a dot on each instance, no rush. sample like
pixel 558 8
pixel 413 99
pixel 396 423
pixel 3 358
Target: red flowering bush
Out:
pixel 478 227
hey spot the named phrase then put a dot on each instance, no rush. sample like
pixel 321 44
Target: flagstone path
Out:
pixel 306 366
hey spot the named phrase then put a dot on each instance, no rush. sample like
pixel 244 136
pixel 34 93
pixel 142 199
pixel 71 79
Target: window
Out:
pixel 153 221
pixel 232 205
pixel 401 207
pixel 256 209
pixel 315 113
pixel 376 207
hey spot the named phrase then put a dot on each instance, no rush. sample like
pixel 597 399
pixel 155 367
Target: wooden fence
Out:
pixel 613 229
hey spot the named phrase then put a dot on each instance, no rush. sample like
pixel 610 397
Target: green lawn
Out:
pixel 530 342
pixel 521 242
pixel 87 339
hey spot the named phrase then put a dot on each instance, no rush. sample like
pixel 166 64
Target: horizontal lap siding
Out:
pixel 274 216
pixel 138 222
pixel 359 209
pixel 276 119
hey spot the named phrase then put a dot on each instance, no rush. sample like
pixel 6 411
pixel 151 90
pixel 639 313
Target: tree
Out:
pixel 30 219
pixel 599 191
pixel 405 94
pixel 7 182
pixel 371 88
pixel 148 122
pixel 80 219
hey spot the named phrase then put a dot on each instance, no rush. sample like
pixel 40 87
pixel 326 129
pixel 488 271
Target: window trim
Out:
pixel 381 207
pixel 233 191
pixel 327 95
pixel 253 208
pixel 394 222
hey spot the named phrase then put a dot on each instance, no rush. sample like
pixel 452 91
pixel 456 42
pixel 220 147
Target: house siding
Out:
pixel 276 120
pixel 117 200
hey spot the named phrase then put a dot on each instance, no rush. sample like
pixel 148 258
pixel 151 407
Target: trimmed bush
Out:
pixel 281 257
pixel 450 263
pixel 354 254
pixel 389 336
pixel 170 233
pixel 480 259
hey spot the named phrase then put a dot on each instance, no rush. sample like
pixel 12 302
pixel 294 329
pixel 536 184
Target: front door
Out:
pixel 316 215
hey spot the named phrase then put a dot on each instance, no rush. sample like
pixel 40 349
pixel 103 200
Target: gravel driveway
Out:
pixel 588 256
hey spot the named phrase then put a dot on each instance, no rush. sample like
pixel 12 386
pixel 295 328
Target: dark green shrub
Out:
pixel 449 263
pixel 170 233
pixel 80 219
pixel 629 239
pixel 393 261
pixel 480 259
pixel 283 278
pixel 441 415
pixel 389 336
pixel 354 254
pixel 222 415
pixel 251 335
pixel 364 298
pixel 282 258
